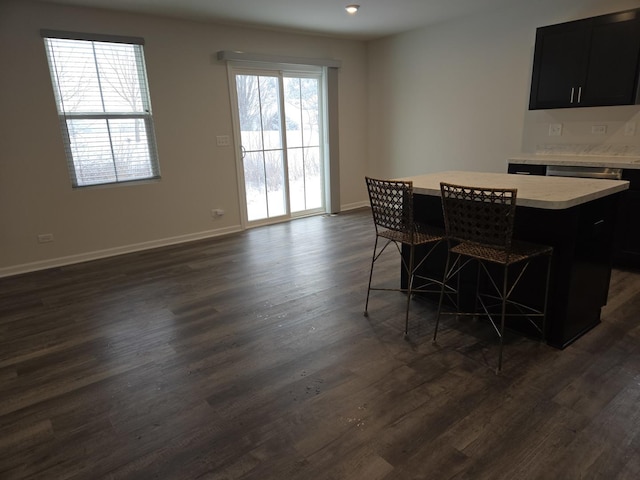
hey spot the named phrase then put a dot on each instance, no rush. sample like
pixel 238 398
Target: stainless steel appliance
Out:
pixel 584 172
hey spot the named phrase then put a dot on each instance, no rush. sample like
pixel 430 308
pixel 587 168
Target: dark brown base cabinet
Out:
pixel 626 244
pixel 582 237
pixel 626 249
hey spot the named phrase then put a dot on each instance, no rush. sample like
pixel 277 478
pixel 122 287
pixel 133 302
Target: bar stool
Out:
pixel 392 209
pixel 479 230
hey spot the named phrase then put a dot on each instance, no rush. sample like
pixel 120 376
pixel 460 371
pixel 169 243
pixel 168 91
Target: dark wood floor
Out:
pixel 248 357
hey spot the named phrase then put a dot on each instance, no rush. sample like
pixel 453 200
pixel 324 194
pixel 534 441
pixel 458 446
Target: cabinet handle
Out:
pixel 522 172
pixel 579 94
pixel 572 89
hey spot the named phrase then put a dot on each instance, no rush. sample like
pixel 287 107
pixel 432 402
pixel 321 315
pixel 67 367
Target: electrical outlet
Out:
pixel 598 129
pixel 630 128
pixel 45 238
pixel 555 129
pixel 217 212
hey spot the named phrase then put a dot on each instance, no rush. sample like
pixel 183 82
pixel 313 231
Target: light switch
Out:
pixel 222 140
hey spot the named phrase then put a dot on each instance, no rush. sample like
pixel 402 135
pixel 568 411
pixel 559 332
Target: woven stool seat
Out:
pixel 518 252
pixel 415 237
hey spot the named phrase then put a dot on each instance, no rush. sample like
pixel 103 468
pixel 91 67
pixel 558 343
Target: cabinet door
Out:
pixel 526 169
pixel 559 65
pixel 626 252
pixel 587 63
pixel 613 62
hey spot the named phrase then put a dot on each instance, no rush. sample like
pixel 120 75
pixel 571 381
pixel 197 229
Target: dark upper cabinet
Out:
pixel 587 63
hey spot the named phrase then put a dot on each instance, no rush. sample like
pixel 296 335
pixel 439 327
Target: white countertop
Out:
pixel 553 193
pixel 613 161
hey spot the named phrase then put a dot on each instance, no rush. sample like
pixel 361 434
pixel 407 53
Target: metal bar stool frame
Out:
pixel 392 209
pixel 479 225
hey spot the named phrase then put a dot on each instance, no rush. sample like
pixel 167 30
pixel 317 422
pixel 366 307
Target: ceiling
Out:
pixel 376 18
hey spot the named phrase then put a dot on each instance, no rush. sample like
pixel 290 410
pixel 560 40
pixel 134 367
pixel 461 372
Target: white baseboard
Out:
pixel 137 247
pixel 353 206
pixel 112 252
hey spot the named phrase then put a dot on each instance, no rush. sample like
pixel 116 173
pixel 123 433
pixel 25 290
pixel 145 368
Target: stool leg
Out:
pixel 502 317
pixel 445 280
pixel 479 268
pixel 373 259
pixel 409 288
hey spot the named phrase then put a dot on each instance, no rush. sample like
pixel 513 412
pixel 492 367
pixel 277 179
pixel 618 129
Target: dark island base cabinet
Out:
pixel 626 244
pixel 626 251
pixel 581 266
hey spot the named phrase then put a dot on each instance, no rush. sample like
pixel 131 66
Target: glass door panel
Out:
pixel 280 131
pixel 301 97
pixel 260 134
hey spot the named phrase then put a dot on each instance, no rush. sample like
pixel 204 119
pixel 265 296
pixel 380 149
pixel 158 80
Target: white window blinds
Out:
pixel 102 96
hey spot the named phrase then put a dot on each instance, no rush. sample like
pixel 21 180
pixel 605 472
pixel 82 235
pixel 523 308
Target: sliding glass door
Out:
pixel 280 126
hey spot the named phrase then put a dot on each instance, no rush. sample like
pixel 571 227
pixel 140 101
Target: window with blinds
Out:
pixel 102 96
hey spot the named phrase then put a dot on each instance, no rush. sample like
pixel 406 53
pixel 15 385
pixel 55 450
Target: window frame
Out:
pixel 66 117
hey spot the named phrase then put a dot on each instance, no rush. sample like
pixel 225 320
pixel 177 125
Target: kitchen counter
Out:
pixel 552 193
pixel 613 161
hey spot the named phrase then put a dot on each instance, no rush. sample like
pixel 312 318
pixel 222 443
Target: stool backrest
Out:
pixel 479 215
pixel 391 204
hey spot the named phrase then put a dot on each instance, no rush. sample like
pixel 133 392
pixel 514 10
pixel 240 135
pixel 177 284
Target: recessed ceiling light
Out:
pixel 352 9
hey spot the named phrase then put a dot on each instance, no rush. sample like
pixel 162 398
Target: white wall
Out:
pixel 450 96
pixel 454 96
pixel 190 100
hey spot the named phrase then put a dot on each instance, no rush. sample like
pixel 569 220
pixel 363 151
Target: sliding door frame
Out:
pixel 328 152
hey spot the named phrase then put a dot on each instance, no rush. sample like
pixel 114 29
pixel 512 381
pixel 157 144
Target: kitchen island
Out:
pixel 626 251
pixel 576 216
